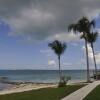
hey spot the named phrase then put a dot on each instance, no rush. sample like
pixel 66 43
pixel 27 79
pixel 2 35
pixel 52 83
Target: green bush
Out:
pixel 63 81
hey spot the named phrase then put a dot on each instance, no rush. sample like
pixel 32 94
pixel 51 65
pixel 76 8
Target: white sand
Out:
pixel 25 87
pixel 21 87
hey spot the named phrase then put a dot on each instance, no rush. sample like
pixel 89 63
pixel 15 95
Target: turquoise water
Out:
pixel 42 76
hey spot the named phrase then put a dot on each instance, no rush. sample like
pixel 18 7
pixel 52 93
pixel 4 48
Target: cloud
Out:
pixel 65 37
pixel 89 51
pixel 97 55
pixel 51 63
pixel 41 19
pixel 98 58
pixel 98 30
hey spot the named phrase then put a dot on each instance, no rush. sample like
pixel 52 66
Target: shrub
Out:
pixel 63 81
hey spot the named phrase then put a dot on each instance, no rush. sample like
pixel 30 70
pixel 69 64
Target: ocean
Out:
pixel 43 76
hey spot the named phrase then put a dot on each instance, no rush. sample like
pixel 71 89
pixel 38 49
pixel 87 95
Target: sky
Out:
pixel 27 26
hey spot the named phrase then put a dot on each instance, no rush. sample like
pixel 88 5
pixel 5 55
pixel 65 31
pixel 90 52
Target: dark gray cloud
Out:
pixel 43 18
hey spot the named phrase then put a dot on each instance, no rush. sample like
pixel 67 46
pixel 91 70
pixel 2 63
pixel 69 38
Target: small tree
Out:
pixel 58 49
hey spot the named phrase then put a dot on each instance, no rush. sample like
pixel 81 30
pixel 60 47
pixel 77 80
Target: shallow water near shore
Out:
pixel 42 76
pixel 5 86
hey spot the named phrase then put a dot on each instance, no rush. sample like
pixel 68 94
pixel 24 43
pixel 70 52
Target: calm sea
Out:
pixel 42 76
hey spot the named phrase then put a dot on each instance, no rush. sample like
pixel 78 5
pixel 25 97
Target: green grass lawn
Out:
pixel 42 94
pixel 94 95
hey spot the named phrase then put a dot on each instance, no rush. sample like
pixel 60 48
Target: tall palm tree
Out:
pixel 91 38
pixel 83 26
pixel 58 49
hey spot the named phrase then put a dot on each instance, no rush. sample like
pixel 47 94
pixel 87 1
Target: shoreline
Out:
pixel 22 87
pixel 28 86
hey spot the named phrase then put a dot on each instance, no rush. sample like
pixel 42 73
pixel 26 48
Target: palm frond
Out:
pixel 92 23
pixel 95 36
pixel 57 47
pixel 73 27
pixel 83 25
pixel 83 36
pixel 92 37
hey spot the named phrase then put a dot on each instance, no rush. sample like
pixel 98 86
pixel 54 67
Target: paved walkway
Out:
pixel 83 92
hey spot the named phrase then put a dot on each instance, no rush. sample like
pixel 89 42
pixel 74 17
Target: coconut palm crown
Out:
pixel 83 25
pixel 92 37
pixel 58 47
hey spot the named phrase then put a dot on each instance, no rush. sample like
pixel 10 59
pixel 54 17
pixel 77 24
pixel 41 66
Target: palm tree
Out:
pixel 91 38
pixel 58 49
pixel 83 26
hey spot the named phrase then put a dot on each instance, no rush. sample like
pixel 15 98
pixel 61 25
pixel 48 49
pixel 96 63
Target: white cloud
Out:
pixel 98 30
pixel 98 58
pixel 68 37
pixel 97 55
pixel 90 51
pixel 51 63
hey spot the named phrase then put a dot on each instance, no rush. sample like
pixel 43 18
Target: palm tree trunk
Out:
pixel 88 75
pixel 59 68
pixel 94 59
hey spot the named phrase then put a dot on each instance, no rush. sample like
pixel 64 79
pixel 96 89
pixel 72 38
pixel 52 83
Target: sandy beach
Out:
pixel 21 87
pixel 27 86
